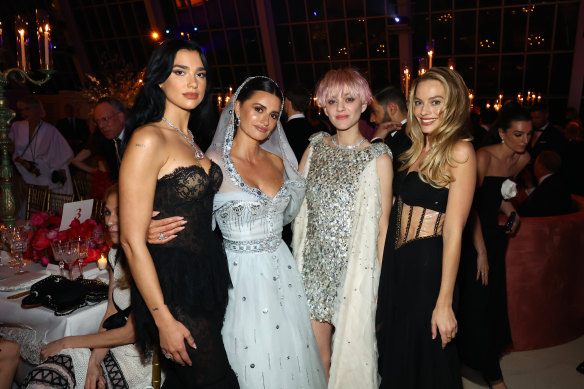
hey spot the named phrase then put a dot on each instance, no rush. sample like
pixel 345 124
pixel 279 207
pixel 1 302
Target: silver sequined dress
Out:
pixel 332 184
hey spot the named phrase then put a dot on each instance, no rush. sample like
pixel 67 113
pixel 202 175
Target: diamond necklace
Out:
pixel 342 147
pixel 198 153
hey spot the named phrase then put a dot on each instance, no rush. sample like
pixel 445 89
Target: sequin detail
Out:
pixel 332 184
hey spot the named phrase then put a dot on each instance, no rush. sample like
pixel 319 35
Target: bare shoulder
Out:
pixel 147 136
pixel 463 152
pixel 384 160
pixel 524 159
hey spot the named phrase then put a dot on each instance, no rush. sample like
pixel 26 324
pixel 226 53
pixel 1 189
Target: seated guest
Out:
pixel 41 154
pixel 298 129
pixel 108 358
pixel 9 358
pixel 551 196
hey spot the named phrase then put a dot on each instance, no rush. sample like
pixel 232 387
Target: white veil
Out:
pixel 277 143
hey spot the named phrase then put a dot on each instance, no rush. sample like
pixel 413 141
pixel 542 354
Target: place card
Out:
pixel 80 210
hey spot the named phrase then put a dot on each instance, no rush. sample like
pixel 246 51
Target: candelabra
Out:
pixel 7 206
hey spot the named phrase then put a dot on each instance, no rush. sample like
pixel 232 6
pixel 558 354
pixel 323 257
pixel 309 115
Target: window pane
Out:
pixel 213 14
pixel 536 72
pixel 541 24
pixel 377 8
pixel 228 13
pixel 512 74
pixel 246 12
pixel 220 48
pixel 354 8
pixel 334 9
pixel 379 75
pixel 560 75
pixel 305 72
pixel 489 31
pixel 439 5
pixel 465 66
pixel 234 44
pixel 421 34
pixel 337 39
pixel 284 43
pixel 464 31
pixel 356 29
pixel 297 12
pixel 442 33
pixel 566 26
pixel 514 30
pixel 319 41
pixel 315 10
pixel 377 44
pixel 301 47
pixel 488 71
pixel 251 45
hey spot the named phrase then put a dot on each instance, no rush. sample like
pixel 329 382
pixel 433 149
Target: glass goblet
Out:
pixel 83 249
pixel 58 247
pixel 19 243
pixel 70 255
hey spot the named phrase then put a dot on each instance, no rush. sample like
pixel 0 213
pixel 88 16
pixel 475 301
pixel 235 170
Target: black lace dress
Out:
pixel 193 274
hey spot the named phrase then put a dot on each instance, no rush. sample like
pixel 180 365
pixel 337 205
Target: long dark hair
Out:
pixel 151 100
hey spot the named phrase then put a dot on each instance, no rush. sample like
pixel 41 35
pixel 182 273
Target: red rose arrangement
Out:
pixel 45 230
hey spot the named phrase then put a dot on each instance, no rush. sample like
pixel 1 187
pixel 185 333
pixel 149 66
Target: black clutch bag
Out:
pixel 62 295
pixel 117 320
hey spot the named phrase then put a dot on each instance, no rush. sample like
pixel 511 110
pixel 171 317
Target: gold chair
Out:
pixel 57 200
pixel 81 188
pixel 36 199
pixel 156 377
pixel 97 211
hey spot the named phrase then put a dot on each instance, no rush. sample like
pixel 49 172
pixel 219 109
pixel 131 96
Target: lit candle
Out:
pixel 102 262
pixel 47 66
pixel 407 80
pixel 430 54
pixel 230 91
pixel 219 101
pixel 538 98
pixel 22 50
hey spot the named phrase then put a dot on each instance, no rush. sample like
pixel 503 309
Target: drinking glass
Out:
pixel 83 249
pixel 70 255
pixel 19 244
pixel 97 236
pixel 58 247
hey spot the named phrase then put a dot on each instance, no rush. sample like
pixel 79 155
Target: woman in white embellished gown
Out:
pixel 267 331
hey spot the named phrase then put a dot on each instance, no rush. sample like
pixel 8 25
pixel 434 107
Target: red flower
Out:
pixel 92 255
pixel 37 219
pixel 45 261
pixel 40 241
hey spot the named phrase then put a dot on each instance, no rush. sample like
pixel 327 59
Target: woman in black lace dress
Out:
pixel 180 290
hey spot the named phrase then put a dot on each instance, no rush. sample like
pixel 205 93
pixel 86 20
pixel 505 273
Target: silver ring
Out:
pixel 168 356
pixel 161 236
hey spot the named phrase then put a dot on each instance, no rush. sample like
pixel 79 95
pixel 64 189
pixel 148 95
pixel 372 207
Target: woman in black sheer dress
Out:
pixel 180 290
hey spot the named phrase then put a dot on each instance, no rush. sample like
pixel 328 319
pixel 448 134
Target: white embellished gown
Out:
pixel 267 331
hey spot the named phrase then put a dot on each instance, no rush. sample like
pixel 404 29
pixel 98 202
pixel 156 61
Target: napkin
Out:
pixel 21 281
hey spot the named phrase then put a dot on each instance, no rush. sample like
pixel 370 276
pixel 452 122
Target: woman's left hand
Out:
pixel 53 348
pixel 444 321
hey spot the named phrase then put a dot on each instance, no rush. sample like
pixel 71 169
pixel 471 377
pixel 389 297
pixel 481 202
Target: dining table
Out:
pixel 33 327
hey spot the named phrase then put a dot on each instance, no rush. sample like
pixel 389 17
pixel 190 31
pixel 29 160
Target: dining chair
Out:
pixel 57 200
pixel 156 376
pixel 81 188
pixel 97 211
pixel 36 199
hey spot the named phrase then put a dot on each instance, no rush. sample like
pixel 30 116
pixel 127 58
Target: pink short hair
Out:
pixel 342 81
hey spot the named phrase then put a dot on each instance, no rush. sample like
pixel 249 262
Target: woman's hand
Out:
pixel 172 341
pixel 53 348
pixel 515 225
pixel 168 227
pixel 483 268
pixel 94 378
pixel 444 321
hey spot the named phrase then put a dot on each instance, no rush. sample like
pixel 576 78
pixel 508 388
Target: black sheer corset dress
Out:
pixel 409 286
pixel 194 277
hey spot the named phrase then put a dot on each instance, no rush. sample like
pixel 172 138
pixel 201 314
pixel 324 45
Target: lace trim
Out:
pixel 269 244
pixel 182 169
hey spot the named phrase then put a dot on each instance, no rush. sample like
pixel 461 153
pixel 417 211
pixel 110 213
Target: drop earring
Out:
pixel 237 121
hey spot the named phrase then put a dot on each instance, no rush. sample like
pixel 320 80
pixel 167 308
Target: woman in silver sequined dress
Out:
pixel 340 231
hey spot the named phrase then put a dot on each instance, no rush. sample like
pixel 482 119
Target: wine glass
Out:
pixel 97 236
pixel 58 247
pixel 83 249
pixel 70 255
pixel 19 243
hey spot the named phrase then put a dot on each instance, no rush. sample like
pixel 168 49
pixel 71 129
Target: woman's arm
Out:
pixel 143 159
pixel 303 160
pixel 79 159
pixel 483 158
pixel 459 202
pixel 385 174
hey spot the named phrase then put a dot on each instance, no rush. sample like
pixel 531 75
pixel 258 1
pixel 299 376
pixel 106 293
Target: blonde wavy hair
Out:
pixel 453 127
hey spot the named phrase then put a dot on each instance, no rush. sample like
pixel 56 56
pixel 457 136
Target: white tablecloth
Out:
pixel 36 326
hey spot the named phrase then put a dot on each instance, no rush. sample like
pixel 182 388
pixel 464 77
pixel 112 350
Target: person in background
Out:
pixel 297 128
pixel 108 358
pixel 109 115
pixel 340 231
pixel 484 322
pixel 389 113
pixel 416 314
pixel 546 136
pixel 551 196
